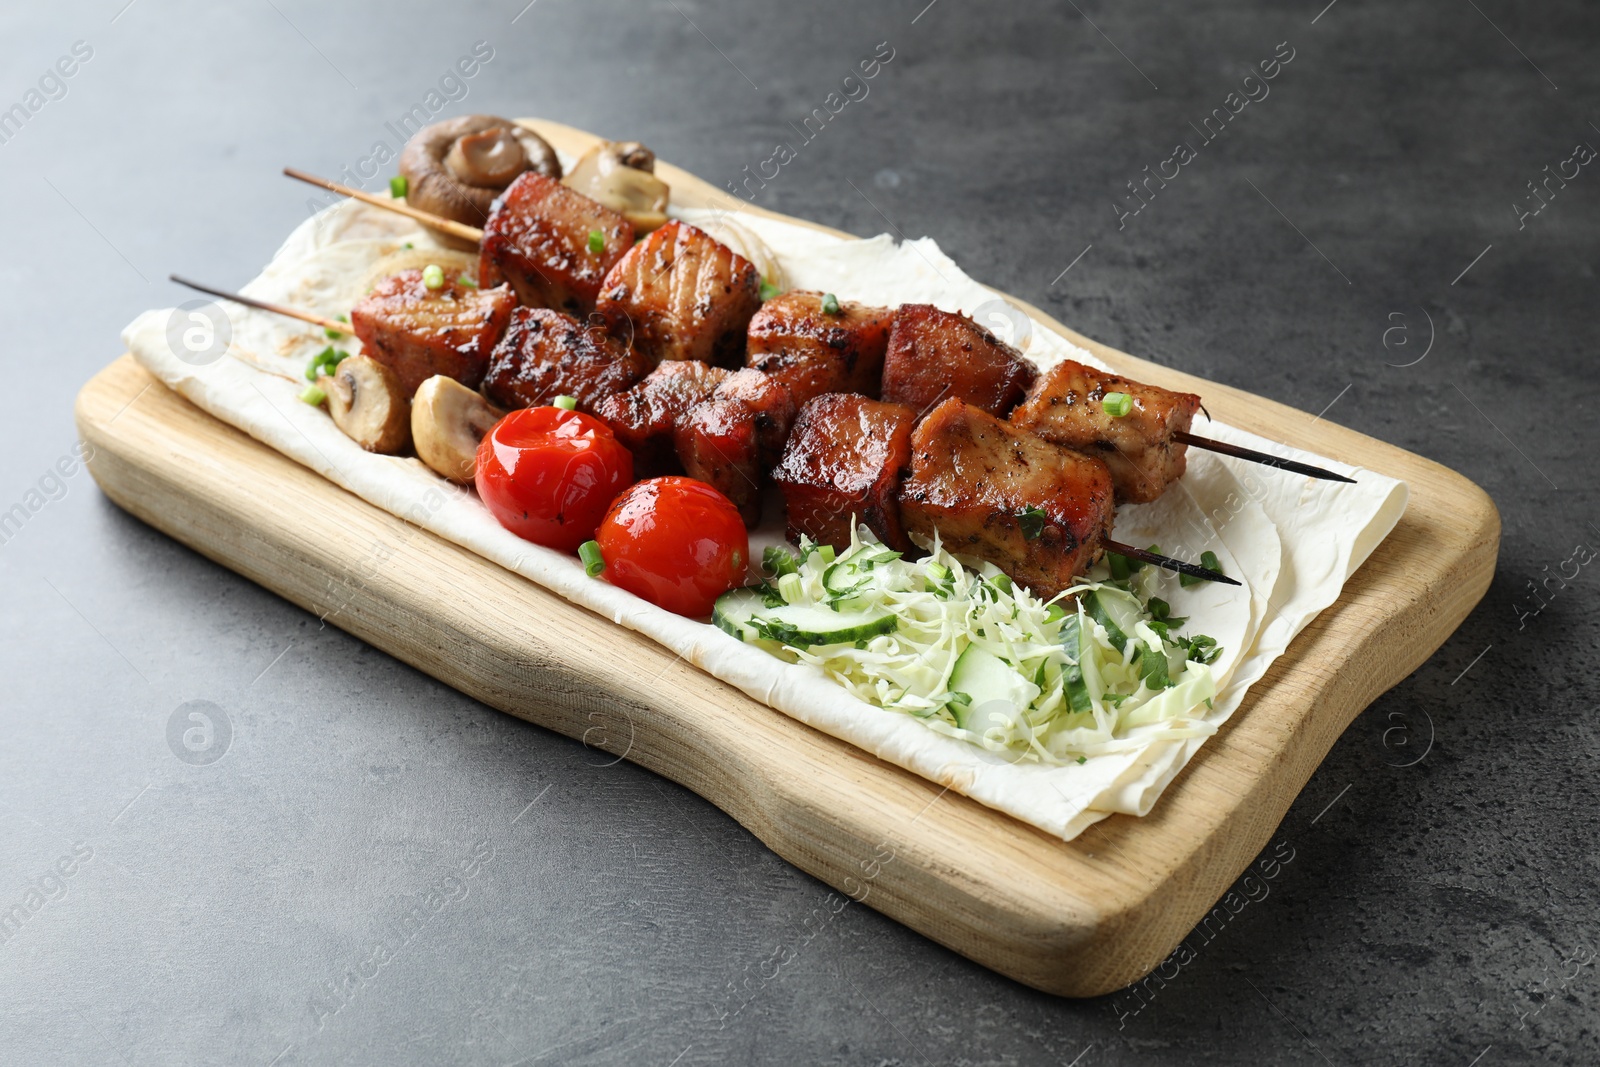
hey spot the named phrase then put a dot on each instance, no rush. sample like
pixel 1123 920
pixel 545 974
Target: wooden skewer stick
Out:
pixel 1238 452
pixel 265 305
pixel 450 226
pixel 1167 563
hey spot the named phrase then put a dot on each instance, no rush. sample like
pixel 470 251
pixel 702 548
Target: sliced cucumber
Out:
pixel 985 680
pixel 744 614
pixel 734 609
pixel 1118 614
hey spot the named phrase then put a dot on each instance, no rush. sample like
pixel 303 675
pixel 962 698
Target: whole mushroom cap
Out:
pixel 457 167
pixel 448 421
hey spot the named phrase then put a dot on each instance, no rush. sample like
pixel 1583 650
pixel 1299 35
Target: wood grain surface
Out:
pixel 1075 918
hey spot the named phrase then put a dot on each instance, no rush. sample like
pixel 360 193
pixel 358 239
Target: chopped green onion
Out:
pixel 331 333
pixel 1208 560
pixel 324 362
pixel 565 403
pixel 1054 613
pixel 398 187
pixel 313 396
pixel 597 241
pixel 467 283
pixel 1117 404
pixel 1002 582
pixel 778 561
pixel 791 588
pixel 408 245
pixel 768 290
pixel 1083 759
pixel 593 562
pixel 433 276
pixel 830 304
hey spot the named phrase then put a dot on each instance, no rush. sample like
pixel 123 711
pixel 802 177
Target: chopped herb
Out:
pixel 791 588
pixel 466 282
pixel 597 241
pixel 313 396
pixel 408 245
pixel 1117 404
pixel 398 187
pixel 433 276
pixel 1083 759
pixel 768 290
pixel 830 304
pixel 593 562
pixel 1032 523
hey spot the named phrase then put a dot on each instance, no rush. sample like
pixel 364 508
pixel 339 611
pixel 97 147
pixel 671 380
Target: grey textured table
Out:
pixel 1361 241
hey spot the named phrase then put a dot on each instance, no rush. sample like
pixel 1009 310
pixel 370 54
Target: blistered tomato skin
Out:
pixel 548 474
pixel 676 542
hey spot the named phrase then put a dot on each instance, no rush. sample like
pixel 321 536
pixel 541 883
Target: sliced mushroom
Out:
pixel 365 401
pixel 621 175
pixel 447 422
pixel 457 167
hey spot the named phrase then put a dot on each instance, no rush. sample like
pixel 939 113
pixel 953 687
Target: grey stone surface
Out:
pixel 1432 912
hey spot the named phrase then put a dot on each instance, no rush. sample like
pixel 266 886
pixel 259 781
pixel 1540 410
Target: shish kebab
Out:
pixel 777 345
pixel 540 236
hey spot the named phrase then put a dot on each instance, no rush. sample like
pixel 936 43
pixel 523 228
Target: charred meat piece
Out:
pixel 846 456
pixel 812 352
pixel 718 442
pixel 538 239
pixel 734 438
pixel 771 405
pixel 418 332
pixel 545 354
pixel 934 355
pixel 644 417
pixel 1036 510
pixel 1066 406
pixel 682 295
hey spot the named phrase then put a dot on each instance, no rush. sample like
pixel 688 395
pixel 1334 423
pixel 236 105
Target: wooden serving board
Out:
pixel 1076 918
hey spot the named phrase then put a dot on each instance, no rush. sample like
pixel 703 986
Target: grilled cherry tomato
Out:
pixel 548 474
pixel 676 542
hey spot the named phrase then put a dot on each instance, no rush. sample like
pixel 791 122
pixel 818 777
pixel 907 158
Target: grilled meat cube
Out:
pixel 815 353
pixel 771 406
pixel 731 439
pixel 644 417
pixel 545 354
pixel 1064 406
pixel 682 295
pixel 718 442
pixel 937 354
pixel 846 456
pixel 537 239
pixel 1036 510
pixel 418 332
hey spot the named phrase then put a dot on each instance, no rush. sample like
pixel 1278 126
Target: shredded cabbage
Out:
pixel 1155 688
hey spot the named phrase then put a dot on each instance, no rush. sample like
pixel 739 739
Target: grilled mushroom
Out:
pixel 621 175
pixel 457 167
pixel 365 401
pixel 447 422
